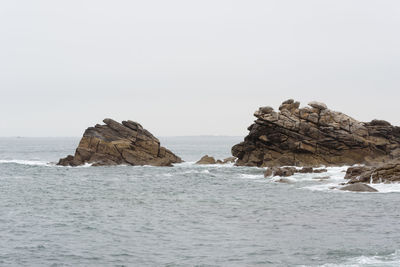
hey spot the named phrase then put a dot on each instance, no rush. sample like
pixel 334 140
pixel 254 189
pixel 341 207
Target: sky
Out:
pixel 192 67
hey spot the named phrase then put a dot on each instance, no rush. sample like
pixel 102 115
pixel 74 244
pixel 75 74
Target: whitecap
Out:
pixel 377 260
pixel 26 162
pixel 251 176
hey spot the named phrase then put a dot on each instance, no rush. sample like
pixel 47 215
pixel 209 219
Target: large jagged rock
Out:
pixel 314 136
pixel 115 143
pixel 382 173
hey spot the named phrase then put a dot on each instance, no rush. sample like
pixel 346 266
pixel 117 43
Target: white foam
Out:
pixel 252 176
pixel 387 188
pixel 26 162
pixel 387 261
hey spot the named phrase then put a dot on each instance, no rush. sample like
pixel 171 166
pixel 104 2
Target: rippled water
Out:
pixel 184 215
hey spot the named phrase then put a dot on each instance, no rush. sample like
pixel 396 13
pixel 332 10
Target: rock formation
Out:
pixel 315 136
pixel 115 143
pixel 382 173
pixel 211 160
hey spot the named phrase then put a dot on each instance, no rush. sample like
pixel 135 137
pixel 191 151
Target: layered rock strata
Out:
pixel 382 173
pixel 115 143
pixel 315 136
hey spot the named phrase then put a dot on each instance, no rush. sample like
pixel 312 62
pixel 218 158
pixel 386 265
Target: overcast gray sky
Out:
pixel 192 67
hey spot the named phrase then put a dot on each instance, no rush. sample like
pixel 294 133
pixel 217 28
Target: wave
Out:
pixel 26 162
pixel 252 176
pixel 38 163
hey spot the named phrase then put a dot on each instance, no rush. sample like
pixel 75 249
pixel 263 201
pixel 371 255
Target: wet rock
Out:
pixel 211 160
pixel 289 171
pixel 381 173
pixel 115 143
pixel 320 170
pixel 284 181
pixel 306 170
pixel 229 160
pixel 358 188
pixel 207 160
pixel 315 136
pixel 285 171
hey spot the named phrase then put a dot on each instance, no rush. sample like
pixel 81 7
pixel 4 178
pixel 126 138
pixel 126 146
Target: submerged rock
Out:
pixel 289 171
pixel 314 136
pixel 115 143
pixel 358 188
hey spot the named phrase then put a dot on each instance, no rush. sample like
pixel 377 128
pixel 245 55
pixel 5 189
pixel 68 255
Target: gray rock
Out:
pixel 359 187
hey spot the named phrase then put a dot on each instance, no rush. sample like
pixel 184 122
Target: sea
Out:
pixel 185 215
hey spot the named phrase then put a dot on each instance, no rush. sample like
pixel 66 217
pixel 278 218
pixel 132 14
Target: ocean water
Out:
pixel 186 215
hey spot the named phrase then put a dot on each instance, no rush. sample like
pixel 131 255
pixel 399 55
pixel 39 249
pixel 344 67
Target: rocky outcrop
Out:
pixel 314 136
pixel 382 173
pixel 358 188
pixel 115 143
pixel 211 160
pixel 289 171
pixel 207 160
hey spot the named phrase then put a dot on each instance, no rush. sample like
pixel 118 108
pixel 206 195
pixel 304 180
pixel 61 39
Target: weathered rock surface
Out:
pixel 207 160
pixel 289 171
pixel 115 143
pixel 358 188
pixel 382 173
pixel 211 160
pixel 315 136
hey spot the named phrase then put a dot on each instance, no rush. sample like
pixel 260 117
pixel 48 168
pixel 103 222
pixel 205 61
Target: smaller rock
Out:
pixel 359 187
pixel 356 171
pixel 284 181
pixel 289 101
pixel 285 171
pixel 266 110
pixel 306 170
pixel 269 172
pixel 229 160
pixel 320 170
pixel 318 105
pixel 379 123
pixel 206 160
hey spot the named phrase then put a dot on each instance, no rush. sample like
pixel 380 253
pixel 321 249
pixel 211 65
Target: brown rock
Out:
pixel 306 170
pixel 229 160
pixel 115 143
pixel 206 160
pixel 314 136
pixel 282 171
pixel 320 170
pixel 381 173
pixel 211 160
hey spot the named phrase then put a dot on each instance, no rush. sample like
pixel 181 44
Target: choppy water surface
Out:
pixel 184 215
